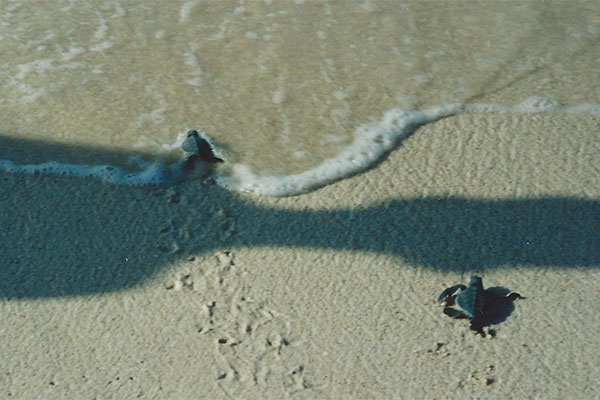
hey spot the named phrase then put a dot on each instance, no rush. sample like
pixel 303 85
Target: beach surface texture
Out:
pixel 308 266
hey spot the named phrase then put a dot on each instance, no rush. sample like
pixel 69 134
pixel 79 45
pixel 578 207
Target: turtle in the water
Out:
pixel 200 149
pixel 481 306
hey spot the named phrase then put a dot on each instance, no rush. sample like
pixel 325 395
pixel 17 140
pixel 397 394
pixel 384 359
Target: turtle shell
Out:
pixel 472 300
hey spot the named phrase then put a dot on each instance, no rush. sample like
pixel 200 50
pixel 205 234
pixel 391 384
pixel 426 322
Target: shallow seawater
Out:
pixel 282 87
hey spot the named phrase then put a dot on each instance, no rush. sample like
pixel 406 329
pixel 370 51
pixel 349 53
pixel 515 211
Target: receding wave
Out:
pixel 371 141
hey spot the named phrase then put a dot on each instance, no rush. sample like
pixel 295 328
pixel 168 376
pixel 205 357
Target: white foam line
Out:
pixel 154 174
pixel 186 9
pixel 534 105
pixel 370 143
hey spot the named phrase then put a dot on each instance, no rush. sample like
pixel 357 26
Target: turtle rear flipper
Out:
pixel 449 294
pixel 477 324
pixel 454 313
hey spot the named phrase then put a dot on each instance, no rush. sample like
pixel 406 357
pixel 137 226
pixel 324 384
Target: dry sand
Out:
pixel 193 292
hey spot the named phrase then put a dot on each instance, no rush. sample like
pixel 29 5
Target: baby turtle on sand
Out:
pixel 200 149
pixel 481 306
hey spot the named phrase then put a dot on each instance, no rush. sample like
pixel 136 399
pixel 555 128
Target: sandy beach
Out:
pixel 113 292
pixel 193 291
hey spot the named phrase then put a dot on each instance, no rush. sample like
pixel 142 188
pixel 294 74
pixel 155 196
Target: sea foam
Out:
pixel 153 174
pixel 371 141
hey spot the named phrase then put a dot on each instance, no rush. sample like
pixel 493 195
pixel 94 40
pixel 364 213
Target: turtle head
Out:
pixel 476 281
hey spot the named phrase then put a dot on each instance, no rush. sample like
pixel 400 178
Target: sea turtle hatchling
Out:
pixel 481 306
pixel 199 148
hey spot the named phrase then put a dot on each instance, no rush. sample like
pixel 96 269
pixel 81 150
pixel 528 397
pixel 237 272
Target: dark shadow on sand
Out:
pixel 54 229
pixel 498 309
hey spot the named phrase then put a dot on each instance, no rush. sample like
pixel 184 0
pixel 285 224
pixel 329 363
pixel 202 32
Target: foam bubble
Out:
pixel 101 46
pixel 534 105
pixel 537 104
pixel 186 9
pixel 153 174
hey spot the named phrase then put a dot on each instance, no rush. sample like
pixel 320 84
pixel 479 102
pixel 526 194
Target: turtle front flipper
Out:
pixel 454 313
pixel 449 294
pixel 503 294
pixel 512 296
